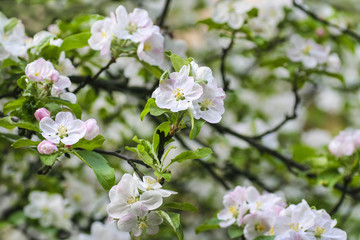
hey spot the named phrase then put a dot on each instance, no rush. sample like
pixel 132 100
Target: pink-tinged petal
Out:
pixel 49 129
pixel 63 118
pixel 136 232
pixel 154 218
pixel 151 199
pixel 139 209
pixel 204 73
pixel 41 113
pixel 63 82
pixel 165 193
pixel 122 15
pixel 76 130
pixel 252 194
pixel 225 214
pixel 227 223
pixel 68 96
pixel 92 129
pixel 127 223
pixel 152 229
pixel 195 92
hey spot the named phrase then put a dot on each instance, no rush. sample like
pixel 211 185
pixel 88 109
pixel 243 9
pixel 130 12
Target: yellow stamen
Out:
pixel 179 95
pixel 272 231
pixel 142 225
pixel 131 200
pixel 62 130
pixel 233 210
pixel 37 74
pixel 319 231
pixel 260 228
pixel 131 28
pixel 307 49
pixel 204 105
pixel 103 34
pixel 147 47
pixel 295 226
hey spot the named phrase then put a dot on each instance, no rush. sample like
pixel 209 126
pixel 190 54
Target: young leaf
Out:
pixel 187 155
pixel 6 122
pixel 97 142
pixel 144 155
pixel 7 63
pixel 146 110
pixel 181 206
pixel 162 128
pixel 178 62
pixel 24 143
pixel 49 160
pixel 173 219
pixel 10 25
pixel 11 105
pixel 198 123
pixel 155 70
pixel 156 111
pixel 104 173
pixel 235 232
pixel 210 224
pixel 75 41
pixel 165 175
pixel 265 238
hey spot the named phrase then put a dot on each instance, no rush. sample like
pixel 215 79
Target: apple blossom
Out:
pixel 92 129
pixel 46 147
pixel 136 26
pixel 65 65
pixel 134 224
pixel 106 231
pixel 344 144
pixel 126 199
pixel 150 49
pixel 64 129
pixel 59 89
pixel 231 12
pixel 41 113
pixel 101 35
pixel 41 70
pixel 148 183
pixel 308 52
pixel 178 92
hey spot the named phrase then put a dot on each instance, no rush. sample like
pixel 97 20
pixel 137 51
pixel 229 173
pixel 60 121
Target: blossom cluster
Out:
pixel 42 71
pixel 49 209
pixel 311 54
pixel 345 143
pixel 132 201
pixel 267 215
pixel 193 88
pixel 64 130
pixel 136 27
pixel 235 14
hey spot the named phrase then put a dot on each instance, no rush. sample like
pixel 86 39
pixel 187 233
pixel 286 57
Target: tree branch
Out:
pixel 325 22
pixel 225 52
pixel 164 13
pixel 287 117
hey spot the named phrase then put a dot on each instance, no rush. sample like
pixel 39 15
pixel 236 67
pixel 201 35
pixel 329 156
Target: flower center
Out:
pixel 258 205
pixel 272 231
pixel 260 228
pixel 233 210
pixel 179 94
pixel 231 8
pixel 142 225
pixel 37 74
pixel 147 46
pixel 307 49
pixel 204 105
pixel 130 200
pixel 131 28
pixel 62 131
pixel 319 231
pixel 103 34
pixel 295 226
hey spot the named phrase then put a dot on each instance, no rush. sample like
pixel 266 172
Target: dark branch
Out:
pixel 325 22
pixel 93 79
pixel 164 13
pixel 287 117
pixel 347 180
pixel 225 52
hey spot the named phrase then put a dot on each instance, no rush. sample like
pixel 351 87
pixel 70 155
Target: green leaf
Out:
pixel 165 175
pixel 155 70
pixel 156 111
pixel 210 224
pixel 329 74
pixel 173 219
pixel 43 43
pixel 21 82
pixel 253 13
pixel 144 155
pixel 187 155
pixel 265 238
pixel 11 105
pixel 181 206
pixel 146 110
pixel 24 143
pixel 213 25
pixel 302 153
pixel 234 232
pixel 163 127
pixel 11 24
pixel 6 122
pixel 8 63
pixel 73 106
pixel 49 160
pixel 198 123
pixel 75 41
pixel 104 173
pixel 97 142
pixel 178 62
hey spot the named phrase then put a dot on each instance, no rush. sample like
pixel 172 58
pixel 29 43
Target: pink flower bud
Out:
pixel 41 113
pixel 320 32
pixel 68 146
pixel 46 147
pixel 92 129
pixel 54 76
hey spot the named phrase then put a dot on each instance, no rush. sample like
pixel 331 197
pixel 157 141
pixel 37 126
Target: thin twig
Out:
pixel 343 195
pixel 325 22
pixel 93 79
pixel 164 13
pixel 287 117
pixel 225 52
